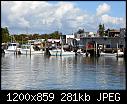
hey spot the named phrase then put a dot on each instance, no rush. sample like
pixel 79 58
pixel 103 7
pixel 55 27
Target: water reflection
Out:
pixel 38 72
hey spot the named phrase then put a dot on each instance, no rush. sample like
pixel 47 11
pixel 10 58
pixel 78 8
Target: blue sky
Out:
pixel 92 5
pixel 116 6
pixel 67 17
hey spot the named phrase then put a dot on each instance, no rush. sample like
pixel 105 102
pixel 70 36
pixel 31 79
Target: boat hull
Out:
pixel 12 51
pixel 119 54
pixel 60 53
pixel 28 52
pixel 108 54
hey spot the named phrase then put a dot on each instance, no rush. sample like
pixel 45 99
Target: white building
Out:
pixel 85 34
pixel 69 39
pixel 37 41
pixel 53 40
pixel 91 34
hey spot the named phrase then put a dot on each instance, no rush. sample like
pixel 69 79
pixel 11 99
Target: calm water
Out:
pixel 40 72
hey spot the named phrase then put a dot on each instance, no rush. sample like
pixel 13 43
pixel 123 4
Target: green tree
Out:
pixel 5 35
pixel 80 31
pixel 106 32
pixel 55 35
pixel 101 30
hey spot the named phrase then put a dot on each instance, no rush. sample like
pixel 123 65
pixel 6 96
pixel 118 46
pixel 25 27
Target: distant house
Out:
pixel 69 39
pixel 37 41
pixel 53 40
pixel 91 34
pixel 122 32
pixel 85 34
pixel 113 33
pixel 77 35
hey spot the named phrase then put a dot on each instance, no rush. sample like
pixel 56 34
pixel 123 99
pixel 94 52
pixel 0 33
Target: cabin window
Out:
pixel 121 46
pixel 14 44
pixel 9 44
pixel 108 46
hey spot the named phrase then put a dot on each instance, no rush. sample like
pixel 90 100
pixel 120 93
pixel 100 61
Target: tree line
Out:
pixel 23 38
pixel 5 35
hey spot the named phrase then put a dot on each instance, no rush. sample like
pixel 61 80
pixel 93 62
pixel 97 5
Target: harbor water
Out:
pixel 40 72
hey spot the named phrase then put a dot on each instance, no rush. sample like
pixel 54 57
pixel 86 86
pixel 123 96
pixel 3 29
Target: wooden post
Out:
pixel 103 47
pixel 45 46
pixel 96 48
pixel 117 49
pixel 86 47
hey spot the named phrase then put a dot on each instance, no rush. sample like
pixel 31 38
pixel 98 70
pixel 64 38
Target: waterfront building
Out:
pixel 113 38
pixel 116 33
pixel 69 39
pixel 122 32
pixel 85 34
pixel 109 42
pixel 113 33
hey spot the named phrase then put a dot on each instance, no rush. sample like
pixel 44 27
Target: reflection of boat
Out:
pixel 107 54
pixel 12 48
pixel 30 49
pixel 60 52
pixel 84 54
pixel 120 54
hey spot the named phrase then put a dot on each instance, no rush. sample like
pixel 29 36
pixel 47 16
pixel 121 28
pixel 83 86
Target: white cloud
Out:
pixel 114 20
pixel 104 8
pixel 42 16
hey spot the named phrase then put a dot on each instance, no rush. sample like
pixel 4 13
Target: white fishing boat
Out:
pixel 12 48
pixel 28 49
pixel 61 52
pixel 119 54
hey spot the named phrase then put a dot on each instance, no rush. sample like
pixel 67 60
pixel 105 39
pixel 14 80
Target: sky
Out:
pixel 64 16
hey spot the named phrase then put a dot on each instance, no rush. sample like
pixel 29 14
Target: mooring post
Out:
pixel 117 49
pixel 96 48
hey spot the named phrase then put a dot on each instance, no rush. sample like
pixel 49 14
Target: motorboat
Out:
pixel 12 48
pixel 60 52
pixel 118 54
pixel 28 49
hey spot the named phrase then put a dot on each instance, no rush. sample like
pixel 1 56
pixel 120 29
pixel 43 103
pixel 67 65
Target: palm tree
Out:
pixel 101 30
